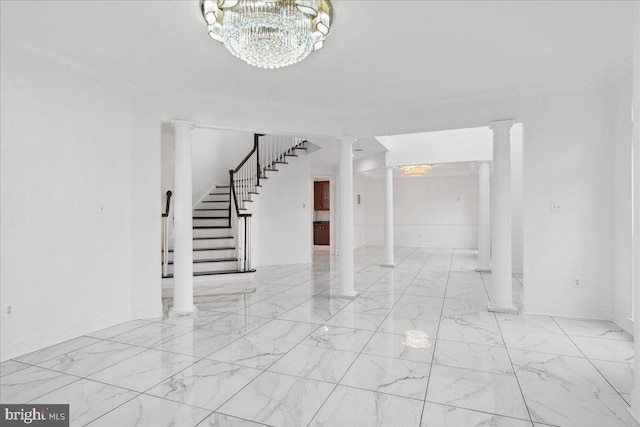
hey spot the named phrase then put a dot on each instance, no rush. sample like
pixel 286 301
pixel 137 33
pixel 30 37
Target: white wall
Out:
pixel 284 216
pixel 568 160
pixel 622 203
pixel 457 145
pixel 213 153
pixel 66 224
pixel 428 211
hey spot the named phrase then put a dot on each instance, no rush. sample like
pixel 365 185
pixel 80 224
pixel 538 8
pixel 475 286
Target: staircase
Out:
pixel 222 220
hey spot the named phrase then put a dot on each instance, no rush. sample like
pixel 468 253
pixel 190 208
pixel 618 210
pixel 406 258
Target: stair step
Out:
pixel 218 194
pixel 196 261
pixel 247 200
pixel 291 155
pixel 222 186
pixel 206 227
pixel 282 163
pixel 299 148
pixel 224 248
pixel 213 273
pixel 211 217
pixel 209 265
pixel 212 209
pixel 271 170
pixel 213 238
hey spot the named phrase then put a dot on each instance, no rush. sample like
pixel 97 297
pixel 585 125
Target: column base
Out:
pixel 483 269
pixel 192 312
pixel 386 264
pixel 346 295
pixel 498 308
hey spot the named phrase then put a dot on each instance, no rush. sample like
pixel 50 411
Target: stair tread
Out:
pixel 213 273
pixel 222 186
pixel 211 217
pixel 212 238
pixel 226 248
pixel 218 194
pixel 197 261
pixel 205 227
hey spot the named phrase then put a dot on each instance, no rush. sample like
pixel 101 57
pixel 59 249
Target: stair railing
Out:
pixel 244 181
pixel 165 235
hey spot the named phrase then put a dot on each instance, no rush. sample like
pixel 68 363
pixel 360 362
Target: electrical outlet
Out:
pixel 576 282
pixel 554 207
pixel 7 310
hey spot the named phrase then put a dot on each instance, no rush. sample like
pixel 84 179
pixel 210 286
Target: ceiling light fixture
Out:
pixel 268 33
pixel 416 170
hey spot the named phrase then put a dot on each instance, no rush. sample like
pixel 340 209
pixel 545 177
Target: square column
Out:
pixel 501 291
pixel 183 221
pixel 484 216
pixel 388 217
pixel 346 286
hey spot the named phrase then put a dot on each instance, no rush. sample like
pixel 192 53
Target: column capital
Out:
pixel 388 167
pixel 484 163
pixel 346 139
pixel 502 124
pixel 176 123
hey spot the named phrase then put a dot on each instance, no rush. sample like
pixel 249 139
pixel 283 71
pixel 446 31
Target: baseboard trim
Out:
pixel 47 339
pixel 624 322
pixel 572 312
pixel 147 312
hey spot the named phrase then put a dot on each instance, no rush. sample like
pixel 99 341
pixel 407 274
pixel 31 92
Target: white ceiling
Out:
pixel 380 54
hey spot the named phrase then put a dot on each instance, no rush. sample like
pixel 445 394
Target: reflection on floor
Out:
pixel 417 347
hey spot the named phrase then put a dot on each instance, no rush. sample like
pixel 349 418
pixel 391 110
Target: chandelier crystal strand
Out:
pixel 268 33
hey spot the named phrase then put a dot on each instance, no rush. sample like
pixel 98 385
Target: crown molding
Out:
pixel 622 71
pixel 514 95
pixel 619 72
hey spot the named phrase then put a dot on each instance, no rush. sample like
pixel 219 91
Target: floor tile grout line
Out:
pixel 435 343
pixel 59 355
pixel 515 374
pixel 592 364
pixel 295 345
pixel 480 411
pixel 263 369
pixel 360 352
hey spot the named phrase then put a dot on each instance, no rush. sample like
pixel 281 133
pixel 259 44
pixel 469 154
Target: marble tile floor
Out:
pixel 417 347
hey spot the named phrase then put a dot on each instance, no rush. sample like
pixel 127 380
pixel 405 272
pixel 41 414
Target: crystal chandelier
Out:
pixel 268 33
pixel 416 170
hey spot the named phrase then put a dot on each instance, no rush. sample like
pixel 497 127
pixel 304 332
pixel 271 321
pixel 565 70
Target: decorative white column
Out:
pixel 345 220
pixel 635 249
pixel 388 217
pixel 183 221
pixel 484 216
pixel 501 292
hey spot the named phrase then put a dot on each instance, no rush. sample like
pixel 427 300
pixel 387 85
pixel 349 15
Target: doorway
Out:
pixel 321 213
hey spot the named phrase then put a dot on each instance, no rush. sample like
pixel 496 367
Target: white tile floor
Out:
pixel 295 357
